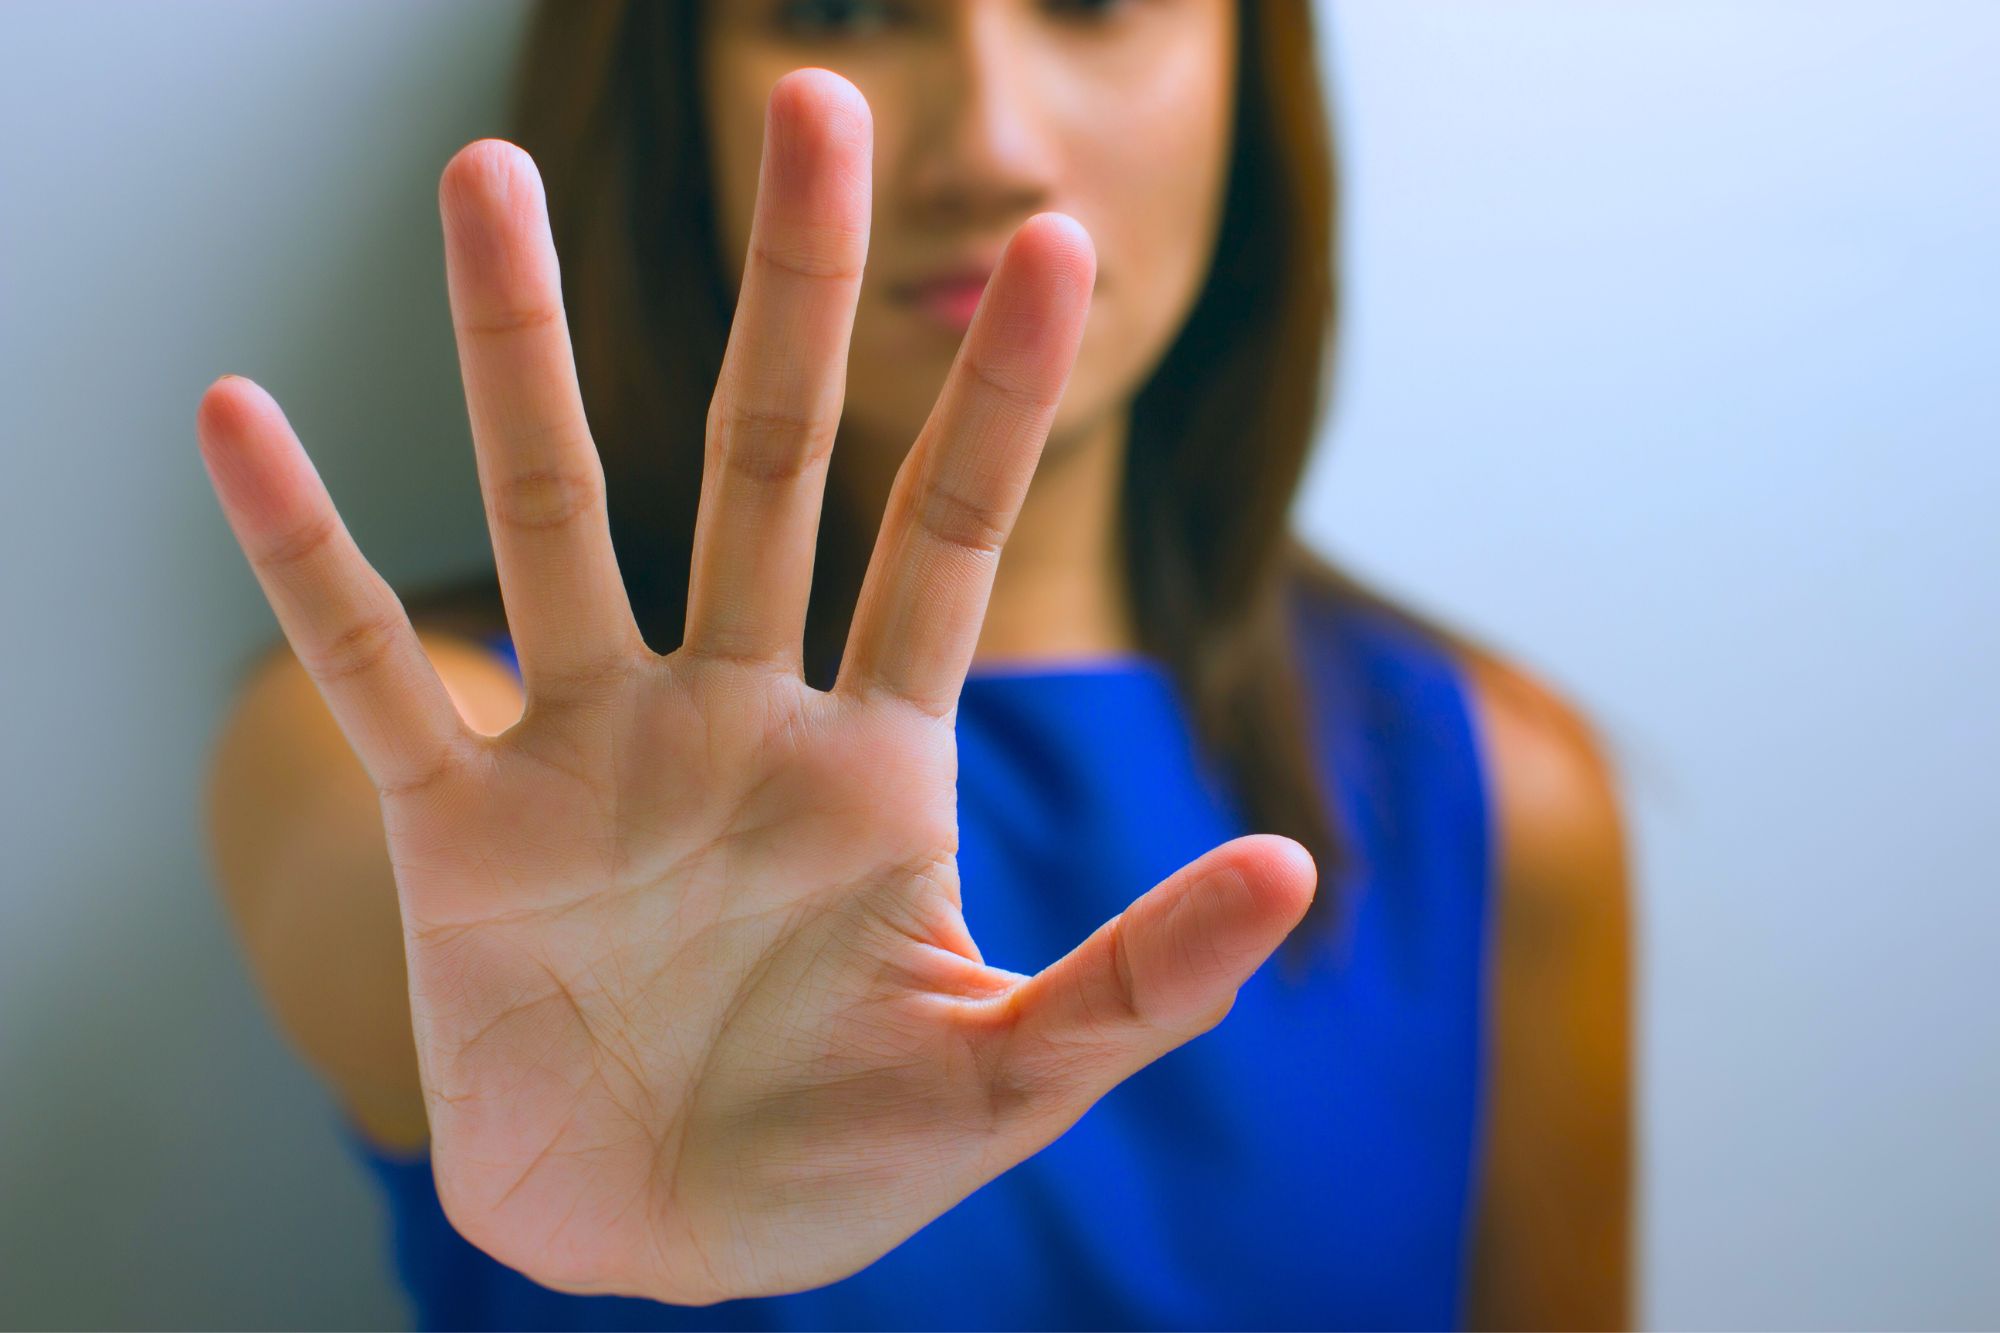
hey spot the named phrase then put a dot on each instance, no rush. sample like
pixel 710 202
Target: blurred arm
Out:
pixel 1552 1245
pixel 295 830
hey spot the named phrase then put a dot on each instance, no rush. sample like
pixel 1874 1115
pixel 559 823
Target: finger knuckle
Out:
pixel 960 520
pixel 820 253
pixel 1019 390
pixel 361 647
pixel 542 498
pixel 499 321
pixel 771 444
pixel 1122 997
pixel 303 544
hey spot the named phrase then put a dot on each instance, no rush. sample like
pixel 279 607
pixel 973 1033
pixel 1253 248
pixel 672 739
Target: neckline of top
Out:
pixel 1105 666
pixel 1101 666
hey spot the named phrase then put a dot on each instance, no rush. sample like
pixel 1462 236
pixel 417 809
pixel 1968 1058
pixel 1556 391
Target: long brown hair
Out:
pixel 609 105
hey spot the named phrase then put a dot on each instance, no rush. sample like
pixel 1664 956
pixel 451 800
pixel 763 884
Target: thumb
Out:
pixel 1163 971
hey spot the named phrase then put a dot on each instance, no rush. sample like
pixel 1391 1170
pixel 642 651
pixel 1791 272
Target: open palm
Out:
pixel 696 1010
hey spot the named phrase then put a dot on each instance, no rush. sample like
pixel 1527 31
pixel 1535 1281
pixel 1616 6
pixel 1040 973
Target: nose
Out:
pixel 986 151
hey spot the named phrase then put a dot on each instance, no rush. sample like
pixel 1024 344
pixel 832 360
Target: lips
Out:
pixel 949 298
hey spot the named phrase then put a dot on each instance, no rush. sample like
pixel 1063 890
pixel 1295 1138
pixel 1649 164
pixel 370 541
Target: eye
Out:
pixel 834 18
pixel 1087 10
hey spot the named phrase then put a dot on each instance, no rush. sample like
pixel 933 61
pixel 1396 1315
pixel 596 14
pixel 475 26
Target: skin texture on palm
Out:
pixel 696 1011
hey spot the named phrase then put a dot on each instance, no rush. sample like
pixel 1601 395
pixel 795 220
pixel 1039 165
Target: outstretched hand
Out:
pixel 696 1011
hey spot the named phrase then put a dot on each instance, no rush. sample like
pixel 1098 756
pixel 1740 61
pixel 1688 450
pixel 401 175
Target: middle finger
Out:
pixel 777 402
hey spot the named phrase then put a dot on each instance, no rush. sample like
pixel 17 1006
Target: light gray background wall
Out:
pixel 1671 368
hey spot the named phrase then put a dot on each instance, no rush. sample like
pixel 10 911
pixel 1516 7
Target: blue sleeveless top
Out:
pixel 1309 1163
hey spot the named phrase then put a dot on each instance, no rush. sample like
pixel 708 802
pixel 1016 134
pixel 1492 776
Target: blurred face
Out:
pixel 1117 113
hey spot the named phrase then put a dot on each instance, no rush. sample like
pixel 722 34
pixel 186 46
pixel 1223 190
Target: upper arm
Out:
pixel 302 865
pixel 1553 1231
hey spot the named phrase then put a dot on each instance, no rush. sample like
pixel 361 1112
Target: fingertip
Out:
pixel 820 93
pixel 1287 878
pixel 1298 866
pixel 819 134
pixel 482 160
pixel 1039 310
pixel 1067 245
pixel 486 174
pixel 814 179
pixel 228 406
pixel 214 402
pixel 1258 888
pixel 1065 225
pixel 240 432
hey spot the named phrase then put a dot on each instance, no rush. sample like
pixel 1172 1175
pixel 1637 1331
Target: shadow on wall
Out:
pixel 165 1160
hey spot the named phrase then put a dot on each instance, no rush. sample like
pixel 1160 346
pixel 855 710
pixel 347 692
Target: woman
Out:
pixel 647 982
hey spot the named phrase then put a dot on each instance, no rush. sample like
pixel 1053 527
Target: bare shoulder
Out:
pixel 279 703
pixel 1553 788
